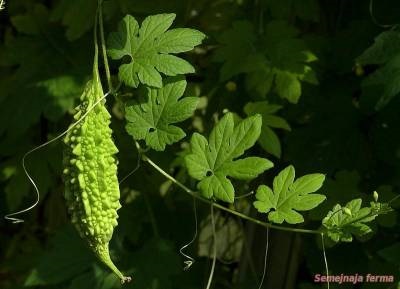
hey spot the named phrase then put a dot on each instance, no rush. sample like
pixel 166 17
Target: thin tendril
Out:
pixel 10 217
pixel 134 170
pixel 376 22
pixel 265 260
pixel 210 277
pixel 190 260
pixel 325 260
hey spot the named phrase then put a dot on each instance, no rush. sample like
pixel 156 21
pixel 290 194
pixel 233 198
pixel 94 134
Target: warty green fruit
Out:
pixel 90 173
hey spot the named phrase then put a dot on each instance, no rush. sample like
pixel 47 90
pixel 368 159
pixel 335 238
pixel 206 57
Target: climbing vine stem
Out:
pixel 103 46
pixel 218 206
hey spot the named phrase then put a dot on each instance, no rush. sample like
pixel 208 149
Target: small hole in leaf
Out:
pixel 126 59
pixel 209 173
pixel 152 129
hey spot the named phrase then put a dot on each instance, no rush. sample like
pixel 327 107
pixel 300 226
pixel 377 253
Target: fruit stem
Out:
pixel 104 255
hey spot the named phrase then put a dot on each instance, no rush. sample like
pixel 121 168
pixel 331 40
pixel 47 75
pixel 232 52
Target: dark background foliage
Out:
pixel 45 58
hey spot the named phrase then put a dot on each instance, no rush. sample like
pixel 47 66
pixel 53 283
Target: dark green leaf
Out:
pixel 268 139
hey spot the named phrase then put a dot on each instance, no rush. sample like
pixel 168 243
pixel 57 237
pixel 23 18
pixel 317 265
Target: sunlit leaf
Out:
pixel 213 161
pixel 150 48
pixel 288 196
pixel 153 119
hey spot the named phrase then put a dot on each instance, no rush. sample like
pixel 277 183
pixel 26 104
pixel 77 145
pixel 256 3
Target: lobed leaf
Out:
pixel 153 120
pixel 289 196
pixel 149 48
pixel 213 161
pixel 280 65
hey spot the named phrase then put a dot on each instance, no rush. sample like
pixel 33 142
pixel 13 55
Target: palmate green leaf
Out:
pixel 289 58
pixel 213 161
pixel 342 223
pixel 153 120
pixel 278 61
pixel 237 49
pixel 150 48
pixel 268 139
pixel 385 52
pixel 289 196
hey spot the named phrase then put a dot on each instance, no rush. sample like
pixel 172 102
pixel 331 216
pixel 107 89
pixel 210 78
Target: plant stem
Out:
pixel 103 47
pixel 233 212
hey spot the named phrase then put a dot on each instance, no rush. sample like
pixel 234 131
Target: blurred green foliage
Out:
pixel 323 74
